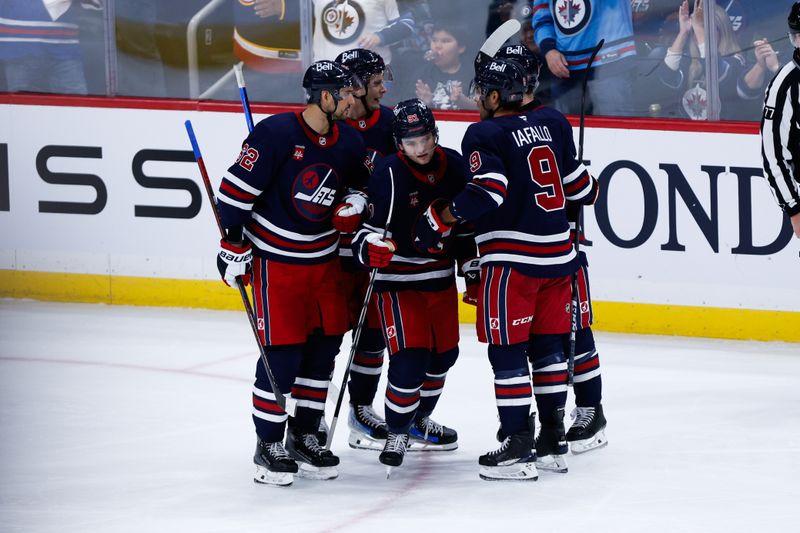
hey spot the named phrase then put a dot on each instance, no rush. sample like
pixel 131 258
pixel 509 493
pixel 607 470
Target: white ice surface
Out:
pixel 123 419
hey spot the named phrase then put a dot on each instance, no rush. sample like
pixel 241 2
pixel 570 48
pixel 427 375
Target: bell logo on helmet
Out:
pixel 323 66
pixel 497 67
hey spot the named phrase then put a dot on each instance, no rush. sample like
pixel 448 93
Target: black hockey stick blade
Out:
pixel 497 39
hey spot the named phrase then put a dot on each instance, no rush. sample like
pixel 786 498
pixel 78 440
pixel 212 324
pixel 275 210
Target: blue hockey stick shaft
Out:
pixel 248 115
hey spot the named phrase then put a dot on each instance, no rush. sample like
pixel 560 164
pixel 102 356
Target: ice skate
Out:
pixel 368 431
pixel 314 461
pixel 551 444
pixel 429 436
pixel 273 464
pixel 515 460
pixel 393 451
pixel 588 431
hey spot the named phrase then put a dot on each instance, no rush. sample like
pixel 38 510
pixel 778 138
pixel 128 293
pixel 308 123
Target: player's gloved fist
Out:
pixel 234 260
pixel 431 229
pixel 375 251
pixel 472 277
pixel 347 215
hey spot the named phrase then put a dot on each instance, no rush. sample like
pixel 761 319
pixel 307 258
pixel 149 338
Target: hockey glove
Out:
pixel 472 278
pixel 347 215
pixel 431 230
pixel 375 252
pixel 234 260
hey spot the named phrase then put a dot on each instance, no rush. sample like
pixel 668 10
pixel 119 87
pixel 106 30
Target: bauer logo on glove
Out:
pixel 234 260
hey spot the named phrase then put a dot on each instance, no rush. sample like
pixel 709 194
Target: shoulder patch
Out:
pixel 769 113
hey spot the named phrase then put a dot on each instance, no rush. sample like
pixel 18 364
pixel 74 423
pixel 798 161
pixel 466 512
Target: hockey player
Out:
pixel 276 203
pixel 588 430
pixel 415 287
pixel 374 122
pixel 779 146
pixel 524 170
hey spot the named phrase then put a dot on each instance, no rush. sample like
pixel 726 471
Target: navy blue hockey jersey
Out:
pixel 414 189
pixel 524 169
pixel 376 130
pixel 285 183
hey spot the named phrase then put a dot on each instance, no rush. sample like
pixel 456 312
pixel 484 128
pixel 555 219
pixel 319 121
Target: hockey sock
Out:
pixel 268 417
pixel 512 386
pixel 313 377
pixel 365 372
pixel 549 372
pixel 434 381
pixel 587 381
pixel 406 375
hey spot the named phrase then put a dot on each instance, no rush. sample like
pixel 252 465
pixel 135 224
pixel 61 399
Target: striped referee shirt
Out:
pixel 780 136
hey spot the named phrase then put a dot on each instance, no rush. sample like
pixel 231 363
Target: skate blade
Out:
pixel 360 441
pixel 308 471
pixel 389 471
pixel 276 479
pixel 586 445
pixel 514 472
pixel 552 463
pixel 419 445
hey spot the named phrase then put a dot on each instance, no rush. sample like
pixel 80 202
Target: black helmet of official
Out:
pixel 505 76
pixel 522 55
pixel 794 18
pixel 327 76
pixel 363 63
pixel 412 118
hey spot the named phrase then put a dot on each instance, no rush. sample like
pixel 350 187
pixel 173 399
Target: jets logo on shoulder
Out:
pixel 299 152
pixel 571 16
pixel 413 199
pixel 342 21
pixel 314 190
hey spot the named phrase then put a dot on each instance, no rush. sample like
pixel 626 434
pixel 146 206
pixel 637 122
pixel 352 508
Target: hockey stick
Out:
pixel 360 324
pixel 493 43
pixel 575 296
pixel 286 402
pixel 248 115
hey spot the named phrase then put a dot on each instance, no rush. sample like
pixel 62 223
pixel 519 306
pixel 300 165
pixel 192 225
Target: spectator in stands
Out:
pixel 684 66
pixel 40 51
pixel 408 37
pixel 445 80
pixel 339 25
pixel 567 32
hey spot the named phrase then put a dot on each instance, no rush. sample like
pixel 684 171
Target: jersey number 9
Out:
pixel 544 173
